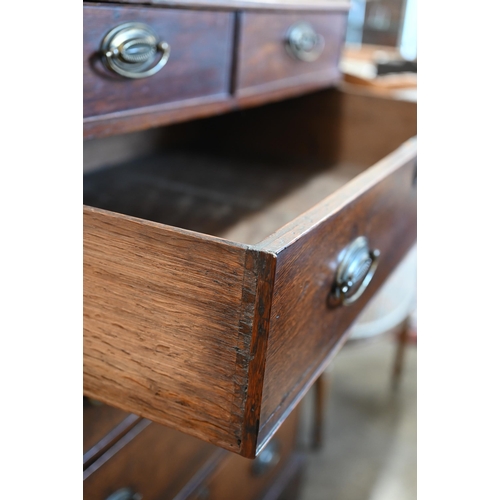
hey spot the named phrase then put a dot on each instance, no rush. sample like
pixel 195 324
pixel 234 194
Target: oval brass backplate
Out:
pixel 134 50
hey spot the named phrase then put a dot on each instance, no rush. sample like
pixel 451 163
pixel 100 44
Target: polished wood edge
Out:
pixel 287 87
pixel 154 116
pixel 135 431
pixel 158 108
pixel 201 474
pixel 307 221
pixel 264 5
pixel 87 210
pixel 262 267
pixel 90 456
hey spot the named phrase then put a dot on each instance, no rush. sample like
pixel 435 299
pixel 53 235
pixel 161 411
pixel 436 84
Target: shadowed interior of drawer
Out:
pixel 244 175
pixel 240 200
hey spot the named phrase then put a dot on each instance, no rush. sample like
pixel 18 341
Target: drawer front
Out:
pixel 151 461
pixel 245 479
pixel 198 66
pixel 267 59
pixel 306 328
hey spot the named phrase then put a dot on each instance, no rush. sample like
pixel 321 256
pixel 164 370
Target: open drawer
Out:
pixel 217 288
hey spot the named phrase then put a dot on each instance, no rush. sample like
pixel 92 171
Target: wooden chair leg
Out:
pixel 320 400
pixel 397 370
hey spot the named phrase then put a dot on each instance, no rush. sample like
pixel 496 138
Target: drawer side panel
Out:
pixel 162 325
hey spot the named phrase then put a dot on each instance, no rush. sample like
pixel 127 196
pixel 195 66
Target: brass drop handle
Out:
pixel 134 50
pixel 304 43
pixel 354 273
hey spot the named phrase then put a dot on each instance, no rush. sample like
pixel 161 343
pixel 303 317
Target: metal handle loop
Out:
pixel 354 273
pixel 130 50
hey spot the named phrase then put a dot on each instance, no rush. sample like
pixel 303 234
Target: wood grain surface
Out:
pixel 304 332
pixel 163 331
pixel 262 57
pixel 198 66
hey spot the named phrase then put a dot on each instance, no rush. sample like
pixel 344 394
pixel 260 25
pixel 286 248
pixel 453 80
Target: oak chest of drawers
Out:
pixel 221 272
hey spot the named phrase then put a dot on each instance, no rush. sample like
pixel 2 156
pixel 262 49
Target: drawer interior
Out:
pixel 233 198
pixel 243 176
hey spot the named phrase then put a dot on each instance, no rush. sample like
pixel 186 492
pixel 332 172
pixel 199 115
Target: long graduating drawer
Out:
pixel 221 339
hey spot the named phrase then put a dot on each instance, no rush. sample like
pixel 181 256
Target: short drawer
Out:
pixel 209 297
pixel 198 65
pixel 151 462
pixel 279 51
